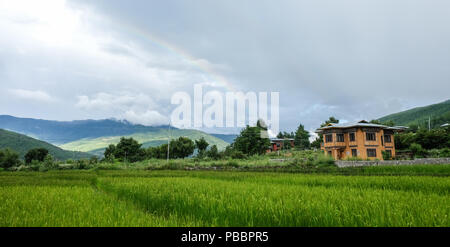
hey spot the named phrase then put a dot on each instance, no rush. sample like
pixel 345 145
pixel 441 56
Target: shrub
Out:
pixel 417 150
pixel 386 155
pixel 232 163
pixel 445 152
pixel 9 158
pixel 238 155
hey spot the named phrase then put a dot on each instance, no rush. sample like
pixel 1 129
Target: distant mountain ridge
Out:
pixel 438 113
pixel 93 136
pixel 22 144
pixel 60 132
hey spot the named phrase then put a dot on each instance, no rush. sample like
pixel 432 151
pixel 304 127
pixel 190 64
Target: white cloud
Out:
pixel 123 101
pixel 32 95
pixel 149 118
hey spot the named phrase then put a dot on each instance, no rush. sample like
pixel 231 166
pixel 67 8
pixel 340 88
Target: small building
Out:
pixel 362 139
pixel 278 143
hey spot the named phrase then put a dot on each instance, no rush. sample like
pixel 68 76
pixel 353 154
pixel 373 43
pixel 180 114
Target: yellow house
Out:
pixel 362 139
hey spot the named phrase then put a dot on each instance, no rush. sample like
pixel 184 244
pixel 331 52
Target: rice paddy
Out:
pixel 222 198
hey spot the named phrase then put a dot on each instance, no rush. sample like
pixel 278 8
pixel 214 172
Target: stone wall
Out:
pixel 425 161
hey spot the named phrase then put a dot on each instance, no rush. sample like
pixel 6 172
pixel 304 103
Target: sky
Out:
pixel 352 59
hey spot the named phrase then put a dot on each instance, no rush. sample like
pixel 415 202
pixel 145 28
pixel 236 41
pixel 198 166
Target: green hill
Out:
pixel 439 114
pixel 22 143
pixel 153 138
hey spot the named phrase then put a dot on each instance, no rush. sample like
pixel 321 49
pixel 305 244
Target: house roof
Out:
pixel 361 123
pixel 281 139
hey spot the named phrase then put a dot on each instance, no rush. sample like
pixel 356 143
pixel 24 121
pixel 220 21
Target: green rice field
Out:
pixel 408 196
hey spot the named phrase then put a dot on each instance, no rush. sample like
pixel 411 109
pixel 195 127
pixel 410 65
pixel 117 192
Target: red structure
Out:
pixel 278 143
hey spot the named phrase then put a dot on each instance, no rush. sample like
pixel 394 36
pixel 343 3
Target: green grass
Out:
pixel 227 198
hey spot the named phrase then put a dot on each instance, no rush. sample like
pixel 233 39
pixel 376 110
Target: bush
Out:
pixel 238 155
pixel 445 152
pixel 232 163
pixel 386 155
pixel 417 150
pixel 9 158
pixel 324 160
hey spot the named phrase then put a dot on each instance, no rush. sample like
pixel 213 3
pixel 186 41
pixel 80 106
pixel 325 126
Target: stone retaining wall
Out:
pixel 424 161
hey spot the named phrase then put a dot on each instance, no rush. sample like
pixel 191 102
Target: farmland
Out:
pixel 377 196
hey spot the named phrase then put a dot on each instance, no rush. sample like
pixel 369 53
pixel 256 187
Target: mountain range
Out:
pixel 93 136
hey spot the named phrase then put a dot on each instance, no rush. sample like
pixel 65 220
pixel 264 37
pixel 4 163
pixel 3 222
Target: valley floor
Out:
pixel 224 198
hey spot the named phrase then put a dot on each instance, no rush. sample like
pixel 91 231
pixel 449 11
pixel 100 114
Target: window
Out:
pixel 351 137
pixel 370 136
pixel 354 153
pixel 340 137
pixel 329 138
pixel 371 152
pixel 387 138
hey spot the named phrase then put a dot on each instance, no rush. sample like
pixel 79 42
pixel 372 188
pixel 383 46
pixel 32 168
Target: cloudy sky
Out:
pixel 354 59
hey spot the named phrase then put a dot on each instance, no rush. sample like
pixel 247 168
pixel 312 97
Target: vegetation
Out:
pixel 8 158
pixel 154 138
pixel 22 144
pixel 301 139
pixel 206 198
pixel 252 140
pixel 439 114
pixel 36 154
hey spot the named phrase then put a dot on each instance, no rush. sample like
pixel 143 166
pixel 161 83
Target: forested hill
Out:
pixel 22 143
pixel 60 132
pixel 439 114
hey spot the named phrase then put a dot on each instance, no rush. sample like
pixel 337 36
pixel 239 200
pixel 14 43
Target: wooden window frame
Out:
pixel 350 135
pixel 368 134
pixel 369 152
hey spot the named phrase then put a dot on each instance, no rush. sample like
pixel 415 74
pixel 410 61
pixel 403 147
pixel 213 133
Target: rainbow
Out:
pixel 182 53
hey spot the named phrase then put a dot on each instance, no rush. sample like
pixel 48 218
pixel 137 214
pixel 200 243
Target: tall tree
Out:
pixel 128 150
pixel 181 147
pixel 252 140
pixel 301 139
pixel 37 154
pixel 201 145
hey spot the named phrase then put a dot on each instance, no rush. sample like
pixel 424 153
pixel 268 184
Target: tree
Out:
pixel 109 152
pixel 213 152
pixel 201 145
pixel 128 150
pixel 330 121
pixel 8 158
pixel 181 148
pixel 37 154
pixel 280 135
pixel 252 140
pixel 316 143
pixel 301 139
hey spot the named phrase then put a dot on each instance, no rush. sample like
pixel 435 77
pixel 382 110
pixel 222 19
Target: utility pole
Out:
pixel 429 123
pixel 168 143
